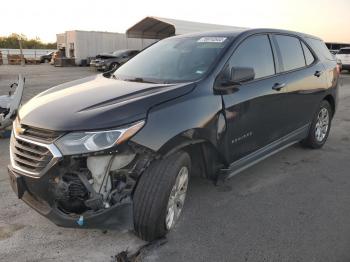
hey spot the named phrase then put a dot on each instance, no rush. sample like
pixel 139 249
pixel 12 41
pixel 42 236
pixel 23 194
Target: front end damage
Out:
pixel 87 190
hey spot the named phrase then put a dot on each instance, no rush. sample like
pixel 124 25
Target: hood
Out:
pixel 96 102
pixel 106 56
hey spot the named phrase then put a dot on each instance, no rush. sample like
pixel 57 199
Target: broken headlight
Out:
pixel 85 142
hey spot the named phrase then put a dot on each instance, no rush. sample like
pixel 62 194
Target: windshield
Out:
pixel 174 60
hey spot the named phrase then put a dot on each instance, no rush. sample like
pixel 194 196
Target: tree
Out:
pixel 11 41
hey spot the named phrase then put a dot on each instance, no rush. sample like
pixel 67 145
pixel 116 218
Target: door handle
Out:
pixel 318 73
pixel 278 86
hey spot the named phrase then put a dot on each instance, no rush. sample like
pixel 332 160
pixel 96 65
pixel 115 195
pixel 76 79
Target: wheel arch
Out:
pixel 205 156
pixel 330 99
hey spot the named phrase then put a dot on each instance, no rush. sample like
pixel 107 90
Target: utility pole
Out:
pixel 21 51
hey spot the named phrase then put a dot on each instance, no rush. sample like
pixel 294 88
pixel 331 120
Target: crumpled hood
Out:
pixel 96 102
pixel 106 56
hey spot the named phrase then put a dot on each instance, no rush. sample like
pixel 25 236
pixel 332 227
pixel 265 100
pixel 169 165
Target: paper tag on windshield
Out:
pixel 212 39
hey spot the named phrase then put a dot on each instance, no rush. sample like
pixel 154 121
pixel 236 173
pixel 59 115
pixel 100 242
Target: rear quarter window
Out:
pixel 309 57
pixel 291 52
pixel 320 48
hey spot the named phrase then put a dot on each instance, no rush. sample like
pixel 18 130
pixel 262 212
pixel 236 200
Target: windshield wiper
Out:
pixel 140 80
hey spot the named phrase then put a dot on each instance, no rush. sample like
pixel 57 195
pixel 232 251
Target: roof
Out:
pixel 244 32
pixel 153 27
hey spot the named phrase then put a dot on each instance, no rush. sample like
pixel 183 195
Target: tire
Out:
pixel 153 193
pixel 46 60
pixel 317 138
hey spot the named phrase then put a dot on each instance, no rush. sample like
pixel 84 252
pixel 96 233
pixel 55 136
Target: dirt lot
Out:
pixel 294 206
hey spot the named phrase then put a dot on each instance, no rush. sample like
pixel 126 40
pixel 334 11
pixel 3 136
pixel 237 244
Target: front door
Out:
pixel 254 110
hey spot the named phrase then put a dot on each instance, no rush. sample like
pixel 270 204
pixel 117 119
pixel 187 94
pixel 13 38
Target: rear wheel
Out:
pixel 160 196
pixel 320 127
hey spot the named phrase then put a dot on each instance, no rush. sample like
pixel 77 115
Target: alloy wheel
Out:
pixel 322 124
pixel 177 198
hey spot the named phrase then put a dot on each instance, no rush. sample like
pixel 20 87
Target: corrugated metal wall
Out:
pixel 89 44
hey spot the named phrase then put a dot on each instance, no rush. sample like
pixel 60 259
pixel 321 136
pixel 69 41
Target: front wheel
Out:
pixel 160 196
pixel 320 127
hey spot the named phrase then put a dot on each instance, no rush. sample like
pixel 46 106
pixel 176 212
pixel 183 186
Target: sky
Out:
pixel 328 19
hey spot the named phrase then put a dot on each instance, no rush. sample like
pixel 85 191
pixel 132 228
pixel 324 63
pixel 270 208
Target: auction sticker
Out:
pixel 212 39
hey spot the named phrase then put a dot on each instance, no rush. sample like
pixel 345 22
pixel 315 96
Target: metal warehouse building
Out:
pixel 83 44
pixel 159 28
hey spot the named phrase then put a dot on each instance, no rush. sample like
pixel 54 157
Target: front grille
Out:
pixel 30 157
pixel 37 134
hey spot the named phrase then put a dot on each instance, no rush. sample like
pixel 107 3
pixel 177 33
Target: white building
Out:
pixel 83 44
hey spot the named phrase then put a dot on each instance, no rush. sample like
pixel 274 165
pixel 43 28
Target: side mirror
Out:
pixel 229 81
pixel 240 75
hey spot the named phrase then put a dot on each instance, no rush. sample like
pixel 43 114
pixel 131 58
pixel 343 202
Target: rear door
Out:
pixel 255 112
pixel 304 78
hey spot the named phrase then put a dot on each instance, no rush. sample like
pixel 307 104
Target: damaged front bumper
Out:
pixel 118 216
pixel 90 190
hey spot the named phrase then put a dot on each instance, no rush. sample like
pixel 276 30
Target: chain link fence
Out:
pixel 29 54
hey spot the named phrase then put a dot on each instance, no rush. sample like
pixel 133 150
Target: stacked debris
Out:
pixel 9 104
pixel 15 59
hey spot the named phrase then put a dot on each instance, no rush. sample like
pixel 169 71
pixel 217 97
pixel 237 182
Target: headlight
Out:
pixel 86 142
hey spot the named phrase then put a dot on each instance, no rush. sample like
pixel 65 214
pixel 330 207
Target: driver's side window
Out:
pixel 254 52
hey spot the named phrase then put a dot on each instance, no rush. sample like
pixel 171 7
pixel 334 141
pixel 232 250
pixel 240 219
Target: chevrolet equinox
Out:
pixel 120 147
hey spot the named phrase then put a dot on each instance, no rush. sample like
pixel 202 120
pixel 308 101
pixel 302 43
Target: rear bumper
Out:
pixel 119 216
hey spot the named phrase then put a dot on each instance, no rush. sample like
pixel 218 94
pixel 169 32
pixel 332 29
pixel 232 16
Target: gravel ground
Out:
pixel 294 206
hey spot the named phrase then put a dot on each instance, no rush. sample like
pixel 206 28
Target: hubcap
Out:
pixel 322 125
pixel 177 198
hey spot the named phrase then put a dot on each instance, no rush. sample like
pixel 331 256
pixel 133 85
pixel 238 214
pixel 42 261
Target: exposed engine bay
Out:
pixel 9 104
pixel 94 183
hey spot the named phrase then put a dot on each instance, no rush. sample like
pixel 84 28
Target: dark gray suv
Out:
pixel 121 147
pixel 107 62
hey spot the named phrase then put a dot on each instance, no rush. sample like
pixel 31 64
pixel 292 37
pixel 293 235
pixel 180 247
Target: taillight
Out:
pixel 338 69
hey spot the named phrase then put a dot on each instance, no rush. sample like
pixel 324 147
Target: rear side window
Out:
pixel 308 55
pixel 320 48
pixel 291 52
pixel 254 52
pixel 344 52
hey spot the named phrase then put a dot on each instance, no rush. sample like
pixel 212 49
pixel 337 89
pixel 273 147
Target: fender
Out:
pixel 186 120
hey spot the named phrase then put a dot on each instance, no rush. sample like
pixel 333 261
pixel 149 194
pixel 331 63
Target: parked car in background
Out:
pixel 333 52
pixel 121 147
pixel 46 58
pixel 344 56
pixel 106 62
